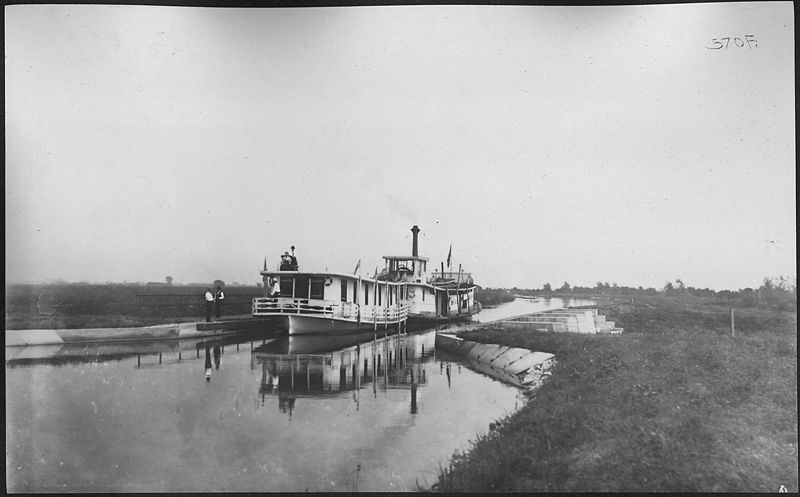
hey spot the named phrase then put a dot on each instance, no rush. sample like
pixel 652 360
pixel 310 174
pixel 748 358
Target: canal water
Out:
pixel 246 413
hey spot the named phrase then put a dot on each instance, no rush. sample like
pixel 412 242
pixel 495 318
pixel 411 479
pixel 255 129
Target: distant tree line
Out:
pixel 493 296
pixel 776 292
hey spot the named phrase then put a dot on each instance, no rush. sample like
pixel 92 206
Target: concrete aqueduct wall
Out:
pixel 520 367
pixel 566 321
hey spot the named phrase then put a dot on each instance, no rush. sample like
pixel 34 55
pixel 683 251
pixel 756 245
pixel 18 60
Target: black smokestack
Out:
pixel 414 249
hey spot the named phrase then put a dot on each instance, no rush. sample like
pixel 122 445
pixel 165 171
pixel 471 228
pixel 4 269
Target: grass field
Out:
pixel 73 305
pixel 675 403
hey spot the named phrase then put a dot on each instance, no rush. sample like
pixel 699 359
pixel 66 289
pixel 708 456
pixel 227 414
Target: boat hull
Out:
pixel 422 320
pixel 313 325
pixel 420 323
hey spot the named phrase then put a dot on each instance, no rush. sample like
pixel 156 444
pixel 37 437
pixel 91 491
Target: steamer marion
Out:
pixel 403 293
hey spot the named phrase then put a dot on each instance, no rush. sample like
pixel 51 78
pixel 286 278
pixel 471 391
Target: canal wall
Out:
pixel 565 321
pixel 230 325
pixel 523 367
pixel 520 367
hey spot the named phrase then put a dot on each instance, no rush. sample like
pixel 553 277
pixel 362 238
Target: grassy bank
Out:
pixel 75 305
pixel 673 404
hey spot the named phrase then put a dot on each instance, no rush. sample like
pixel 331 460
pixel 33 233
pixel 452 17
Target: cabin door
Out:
pixel 444 303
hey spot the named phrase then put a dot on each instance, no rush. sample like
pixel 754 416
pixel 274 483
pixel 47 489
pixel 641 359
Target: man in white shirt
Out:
pixel 209 304
pixel 273 288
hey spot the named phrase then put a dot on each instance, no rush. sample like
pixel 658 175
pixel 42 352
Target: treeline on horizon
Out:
pixel 167 283
pixel 775 292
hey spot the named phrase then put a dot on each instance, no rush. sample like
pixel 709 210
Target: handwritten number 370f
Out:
pixel 750 40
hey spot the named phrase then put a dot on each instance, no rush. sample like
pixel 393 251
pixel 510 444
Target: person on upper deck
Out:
pixel 286 262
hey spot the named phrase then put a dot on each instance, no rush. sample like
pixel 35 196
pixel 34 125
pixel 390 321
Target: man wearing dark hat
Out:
pixel 220 299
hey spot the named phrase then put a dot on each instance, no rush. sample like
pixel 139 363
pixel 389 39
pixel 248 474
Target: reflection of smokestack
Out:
pixel 414 250
pixel 413 393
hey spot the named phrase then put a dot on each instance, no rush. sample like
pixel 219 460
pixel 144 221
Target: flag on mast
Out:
pixel 357 267
pixel 449 254
pixel 265 263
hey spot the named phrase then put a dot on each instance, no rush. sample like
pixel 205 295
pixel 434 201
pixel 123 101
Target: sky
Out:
pixel 544 143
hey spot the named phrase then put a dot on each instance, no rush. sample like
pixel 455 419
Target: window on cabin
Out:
pixel 301 287
pixel 317 287
pixel 344 290
pixel 286 286
pixel 366 295
pixel 423 295
pixel 379 293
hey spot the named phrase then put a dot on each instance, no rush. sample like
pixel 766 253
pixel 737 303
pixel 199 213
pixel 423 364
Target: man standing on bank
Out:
pixel 209 303
pixel 220 299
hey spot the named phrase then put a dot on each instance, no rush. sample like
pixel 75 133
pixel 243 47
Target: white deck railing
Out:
pixel 278 306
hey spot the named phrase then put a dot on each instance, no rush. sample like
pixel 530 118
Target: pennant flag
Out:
pixel 376 273
pixel 357 267
pixel 449 254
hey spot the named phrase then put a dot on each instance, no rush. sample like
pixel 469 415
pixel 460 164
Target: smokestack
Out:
pixel 414 250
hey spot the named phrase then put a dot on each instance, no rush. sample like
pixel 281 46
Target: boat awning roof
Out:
pixel 405 258
pixel 321 274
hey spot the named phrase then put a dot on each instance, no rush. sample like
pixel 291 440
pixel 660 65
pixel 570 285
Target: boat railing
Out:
pixel 288 305
pixel 393 313
pixel 270 306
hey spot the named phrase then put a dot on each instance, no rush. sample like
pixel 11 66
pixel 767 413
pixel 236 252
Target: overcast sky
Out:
pixel 547 144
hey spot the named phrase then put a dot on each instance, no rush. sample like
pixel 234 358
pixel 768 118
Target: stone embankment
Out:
pixel 523 367
pixel 566 321
pixel 520 367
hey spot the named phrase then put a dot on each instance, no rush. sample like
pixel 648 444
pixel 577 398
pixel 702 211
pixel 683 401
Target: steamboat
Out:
pixel 328 302
pixel 402 294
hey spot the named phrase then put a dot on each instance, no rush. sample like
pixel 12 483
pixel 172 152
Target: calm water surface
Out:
pixel 244 413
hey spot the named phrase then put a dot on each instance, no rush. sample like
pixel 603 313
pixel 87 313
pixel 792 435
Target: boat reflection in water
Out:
pixel 297 366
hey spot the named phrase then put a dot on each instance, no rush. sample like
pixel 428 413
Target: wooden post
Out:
pixel 733 330
pixel 386 308
pixel 458 293
pixel 293 294
pixel 447 308
pixel 375 307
